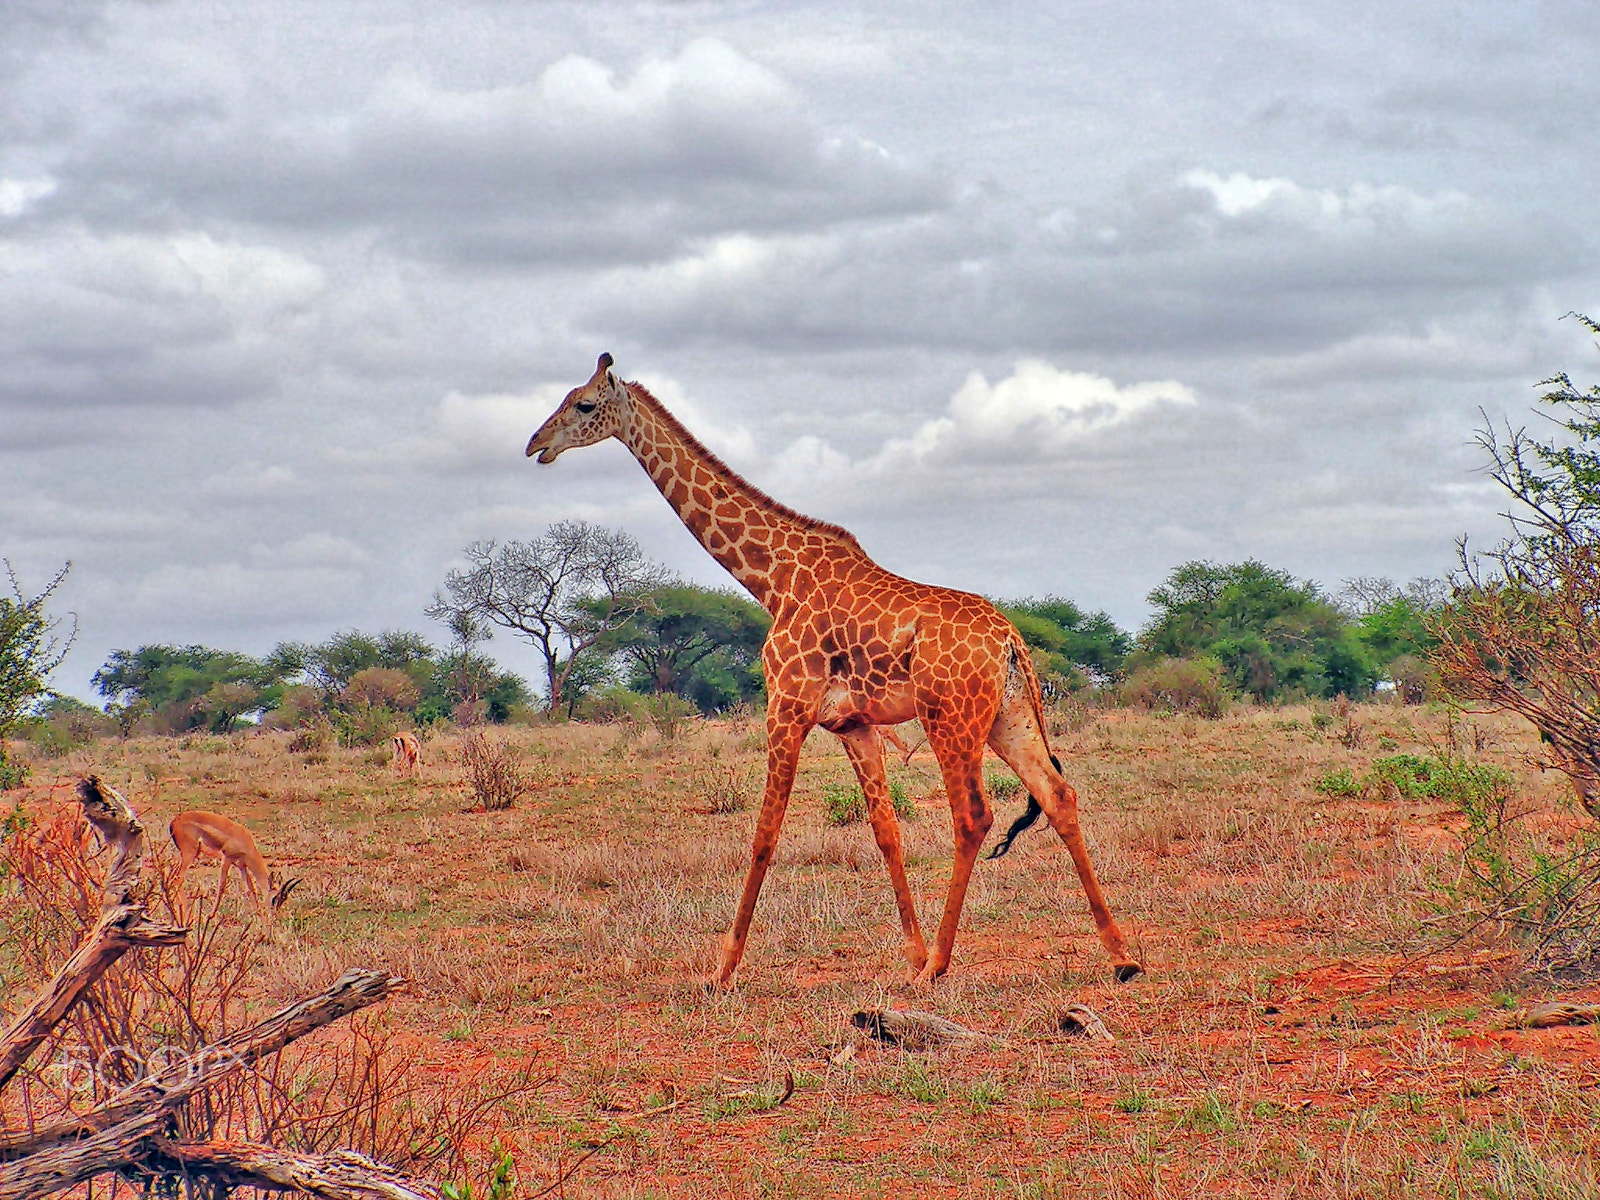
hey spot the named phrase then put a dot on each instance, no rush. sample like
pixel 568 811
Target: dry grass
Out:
pixel 1299 1032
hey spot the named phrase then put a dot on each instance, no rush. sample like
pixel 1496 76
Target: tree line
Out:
pixel 1516 626
pixel 613 628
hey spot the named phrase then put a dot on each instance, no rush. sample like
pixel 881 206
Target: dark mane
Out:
pixel 723 471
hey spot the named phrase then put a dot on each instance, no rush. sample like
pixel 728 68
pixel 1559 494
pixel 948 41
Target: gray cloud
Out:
pixel 282 297
pixel 575 165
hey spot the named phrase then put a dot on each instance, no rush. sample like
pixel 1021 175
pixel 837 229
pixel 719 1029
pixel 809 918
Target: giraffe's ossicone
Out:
pixel 852 647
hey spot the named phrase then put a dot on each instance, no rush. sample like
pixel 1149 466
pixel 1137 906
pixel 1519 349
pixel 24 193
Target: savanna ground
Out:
pixel 1303 1028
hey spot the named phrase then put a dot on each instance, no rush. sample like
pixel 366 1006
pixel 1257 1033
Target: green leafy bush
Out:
pixel 1342 782
pixel 846 805
pixel 1189 685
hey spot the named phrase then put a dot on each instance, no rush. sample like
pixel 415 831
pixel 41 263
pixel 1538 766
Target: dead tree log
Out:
pixel 69 1163
pixel 109 812
pixel 137 1144
pixel 166 1090
pixel 342 1175
pixel 121 927
pixel 117 931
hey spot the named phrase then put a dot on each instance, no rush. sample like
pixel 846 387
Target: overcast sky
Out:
pixel 1033 298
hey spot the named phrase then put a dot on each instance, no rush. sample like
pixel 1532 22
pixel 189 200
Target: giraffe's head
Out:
pixel 589 414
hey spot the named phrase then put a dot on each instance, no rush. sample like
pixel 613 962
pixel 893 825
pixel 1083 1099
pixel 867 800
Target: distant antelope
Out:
pixel 208 835
pixel 406 750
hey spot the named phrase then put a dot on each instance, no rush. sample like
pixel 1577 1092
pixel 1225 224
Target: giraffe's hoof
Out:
pixel 1125 971
pixel 715 985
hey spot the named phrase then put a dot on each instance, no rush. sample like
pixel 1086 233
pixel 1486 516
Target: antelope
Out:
pixel 200 834
pixel 406 750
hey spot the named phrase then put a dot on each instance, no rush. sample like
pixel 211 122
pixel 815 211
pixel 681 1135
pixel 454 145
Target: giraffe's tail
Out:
pixel 1029 815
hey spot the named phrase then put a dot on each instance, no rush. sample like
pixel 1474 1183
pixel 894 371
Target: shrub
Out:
pixel 725 787
pixel 1190 685
pixel 299 706
pixel 1001 786
pixel 380 687
pixel 1340 783
pixel 900 800
pixel 847 805
pixel 1469 786
pixel 1414 678
pixel 12 774
pixel 669 714
pixel 492 772
pixel 312 738
pixel 365 726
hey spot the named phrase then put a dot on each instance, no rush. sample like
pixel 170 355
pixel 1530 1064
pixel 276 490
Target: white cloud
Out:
pixel 232 593
pixel 248 481
pixel 1036 410
pixel 17 196
pixel 1239 195
pixel 311 551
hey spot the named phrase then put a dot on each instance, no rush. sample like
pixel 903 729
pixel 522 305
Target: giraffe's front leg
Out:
pixel 960 757
pixel 786 732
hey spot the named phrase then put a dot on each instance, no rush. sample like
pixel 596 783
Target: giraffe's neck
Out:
pixel 759 541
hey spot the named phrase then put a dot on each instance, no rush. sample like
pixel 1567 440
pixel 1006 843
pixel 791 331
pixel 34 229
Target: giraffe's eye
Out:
pixel 584 407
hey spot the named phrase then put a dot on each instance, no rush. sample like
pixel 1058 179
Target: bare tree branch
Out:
pixel 117 931
pixel 341 1175
pixel 166 1090
pixel 561 592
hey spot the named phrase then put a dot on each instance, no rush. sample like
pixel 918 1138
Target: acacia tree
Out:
pixel 1522 631
pixel 562 592
pixel 703 644
pixel 30 648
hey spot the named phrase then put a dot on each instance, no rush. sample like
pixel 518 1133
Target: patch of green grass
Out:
pixel 1001 786
pixel 916 1084
pixel 1210 1115
pixel 904 807
pixel 985 1094
pixel 844 803
pixel 1134 1100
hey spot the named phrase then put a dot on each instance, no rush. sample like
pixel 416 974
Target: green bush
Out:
pixel 1189 685
pixel 12 774
pixel 846 805
pixel 365 726
pixel 1342 782
pixel 1470 786
pixel 1001 786
pixel 904 807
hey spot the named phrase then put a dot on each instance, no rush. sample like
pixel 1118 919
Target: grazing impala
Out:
pixel 406 750
pixel 206 834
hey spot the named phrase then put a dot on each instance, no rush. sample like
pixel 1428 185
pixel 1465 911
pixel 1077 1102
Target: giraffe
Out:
pixel 852 648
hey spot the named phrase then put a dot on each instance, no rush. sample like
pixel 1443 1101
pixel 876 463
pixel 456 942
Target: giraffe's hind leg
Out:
pixel 865 748
pixel 1017 739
